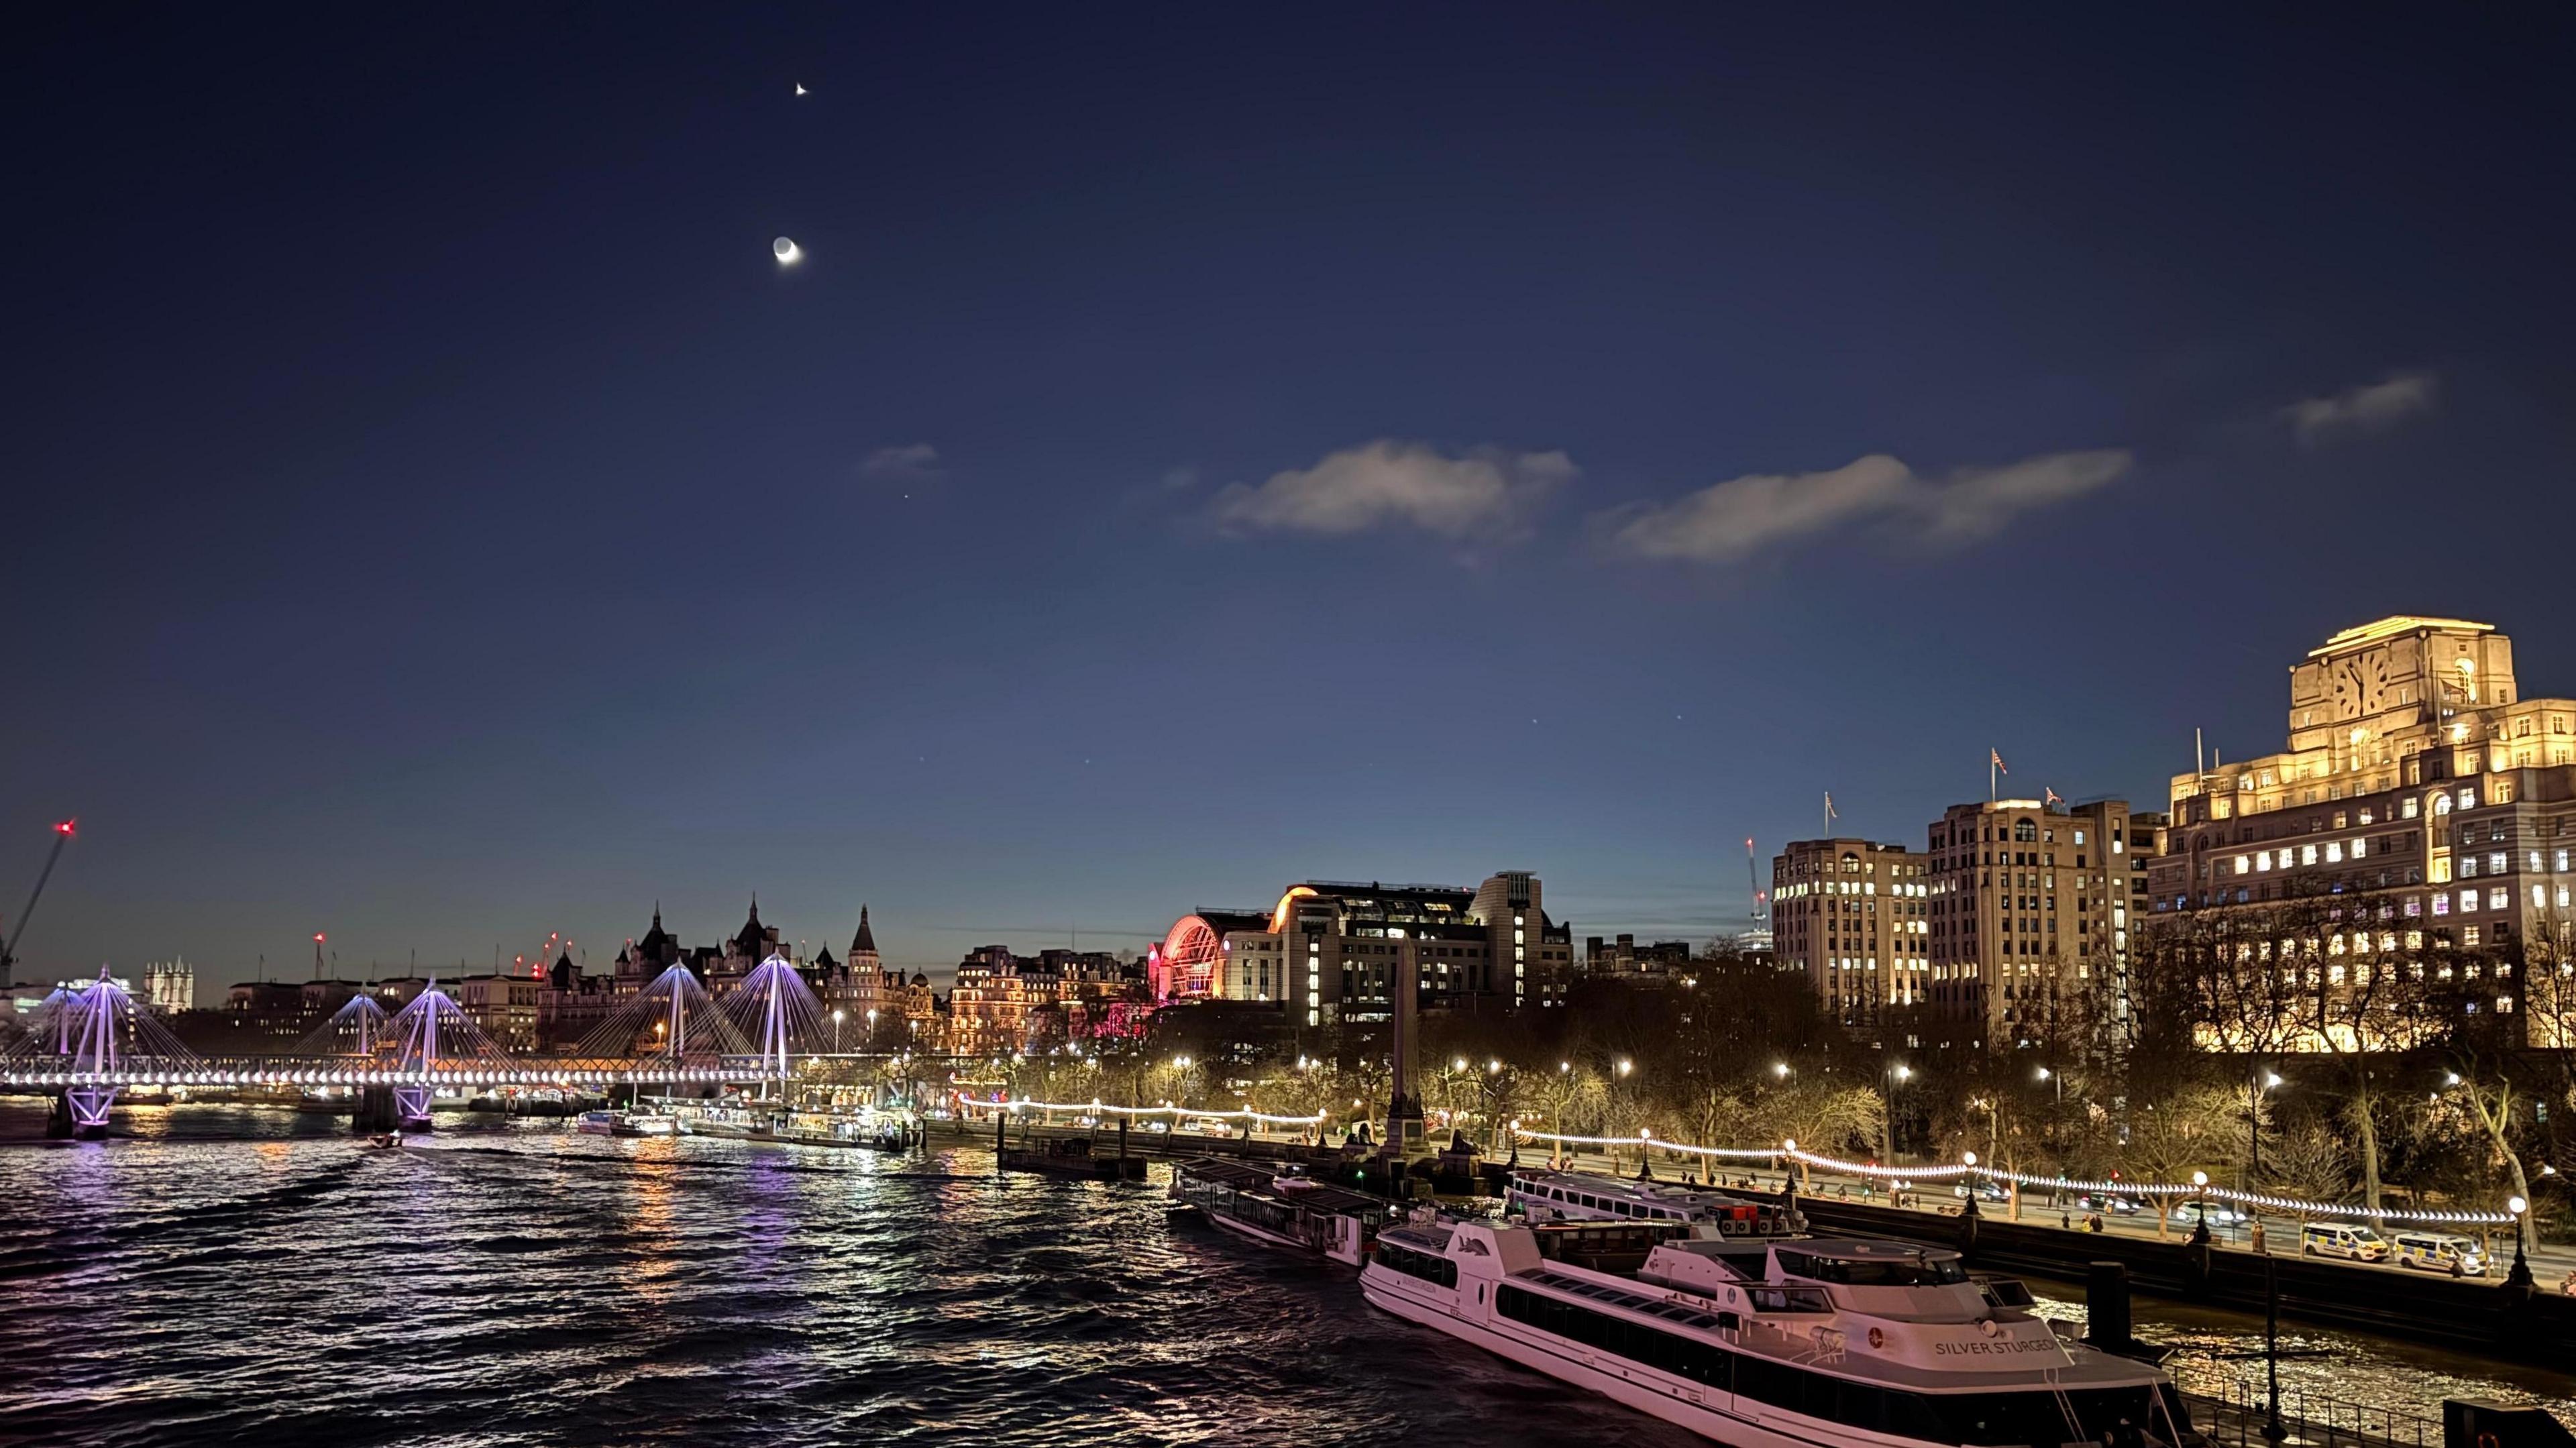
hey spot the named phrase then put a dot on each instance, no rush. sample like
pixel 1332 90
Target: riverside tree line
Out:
pixel 2307 1049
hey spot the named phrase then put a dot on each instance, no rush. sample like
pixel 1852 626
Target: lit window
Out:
pixel 2498 863
pixel 2469 798
pixel 2334 852
pixel 2244 863
pixel 2498 898
pixel 2468 901
pixel 2441 904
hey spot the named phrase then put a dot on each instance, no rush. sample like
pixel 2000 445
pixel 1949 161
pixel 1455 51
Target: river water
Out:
pixel 248 1275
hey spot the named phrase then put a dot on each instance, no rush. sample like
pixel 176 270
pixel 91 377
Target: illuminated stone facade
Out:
pixel 2423 800
pixel 2032 902
pixel 1854 917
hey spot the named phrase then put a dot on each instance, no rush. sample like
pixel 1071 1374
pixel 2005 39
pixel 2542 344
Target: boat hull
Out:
pixel 1619 1384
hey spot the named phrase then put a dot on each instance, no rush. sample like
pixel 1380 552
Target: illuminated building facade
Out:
pixel 1852 915
pixel 1332 950
pixel 169 986
pixel 2422 801
pixel 2030 907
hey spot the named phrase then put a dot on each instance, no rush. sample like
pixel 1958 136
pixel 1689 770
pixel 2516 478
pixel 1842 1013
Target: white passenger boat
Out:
pixel 1284 1211
pixel 1575 1196
pixel 1831 1343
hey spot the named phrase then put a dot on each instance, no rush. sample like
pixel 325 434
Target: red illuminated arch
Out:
pixel 1187 963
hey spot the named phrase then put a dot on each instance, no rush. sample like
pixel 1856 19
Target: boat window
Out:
pixel 1902 1272
pixel 2116 1415
pixel 1683 1357
pixel 1430 1267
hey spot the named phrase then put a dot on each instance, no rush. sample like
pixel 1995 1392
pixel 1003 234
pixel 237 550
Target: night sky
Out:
pixel 1202 450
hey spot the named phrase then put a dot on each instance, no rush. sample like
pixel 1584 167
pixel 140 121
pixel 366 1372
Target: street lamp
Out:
pixel 2520 1276
pixel 1896 1075
pixel 2254 1128
pixel 1780 1069
pixel 837 1014
pixel 1626 1066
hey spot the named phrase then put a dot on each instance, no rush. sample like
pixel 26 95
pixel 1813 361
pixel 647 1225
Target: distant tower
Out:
pixel 868 984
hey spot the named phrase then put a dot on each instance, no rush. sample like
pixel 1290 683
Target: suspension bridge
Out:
pixel 91 1040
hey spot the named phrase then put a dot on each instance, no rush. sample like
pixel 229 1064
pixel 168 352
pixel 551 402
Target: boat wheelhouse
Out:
pixel 1285 1211
pixel 1573 1196
pixel 1839 1343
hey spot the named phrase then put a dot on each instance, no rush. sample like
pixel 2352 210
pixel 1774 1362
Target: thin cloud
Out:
pixel 1738 517
pixel 1484 494
pixel 912 462
pixel 2359 410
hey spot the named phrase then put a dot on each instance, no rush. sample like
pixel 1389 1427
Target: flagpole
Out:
pixel 1992 794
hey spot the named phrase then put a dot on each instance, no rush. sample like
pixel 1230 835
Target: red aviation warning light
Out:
pixel 67 828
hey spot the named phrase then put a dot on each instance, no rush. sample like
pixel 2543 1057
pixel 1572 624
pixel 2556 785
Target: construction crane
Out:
pixel 63 833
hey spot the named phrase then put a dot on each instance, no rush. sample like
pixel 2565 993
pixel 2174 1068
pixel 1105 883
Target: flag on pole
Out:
pixel 1995 757
pixel 2052 795
pixel 1829 806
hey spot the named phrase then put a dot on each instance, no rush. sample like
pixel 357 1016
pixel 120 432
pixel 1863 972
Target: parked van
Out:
pixel 2342 1239
pixel 2439 1252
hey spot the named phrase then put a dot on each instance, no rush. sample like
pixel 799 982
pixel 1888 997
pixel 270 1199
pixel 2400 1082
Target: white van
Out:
pixel 2341 1239
pixel 2440 1252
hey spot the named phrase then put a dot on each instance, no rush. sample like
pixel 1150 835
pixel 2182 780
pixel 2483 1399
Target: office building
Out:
pixel 1851 914
pixel 1332 950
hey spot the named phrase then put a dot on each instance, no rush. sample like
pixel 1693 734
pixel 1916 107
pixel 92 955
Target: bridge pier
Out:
pixel 411 1108
pixel 80 1113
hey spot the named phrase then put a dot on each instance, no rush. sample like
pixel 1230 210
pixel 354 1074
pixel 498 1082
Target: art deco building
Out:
pixel 1333 949
pixel 1853 916
pixel 2422 800
pixel 2029 918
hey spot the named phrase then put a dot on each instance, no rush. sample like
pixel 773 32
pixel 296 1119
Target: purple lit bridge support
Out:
pixel 434 1038
pixel 86 1043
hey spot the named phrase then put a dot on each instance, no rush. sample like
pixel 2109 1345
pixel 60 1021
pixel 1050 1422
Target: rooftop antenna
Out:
pixel 9 946
pixel 317 955
pixel 2199 755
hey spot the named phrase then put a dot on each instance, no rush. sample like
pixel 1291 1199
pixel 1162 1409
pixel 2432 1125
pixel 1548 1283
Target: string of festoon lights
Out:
pixel 1096 1108
pixel 2197 1188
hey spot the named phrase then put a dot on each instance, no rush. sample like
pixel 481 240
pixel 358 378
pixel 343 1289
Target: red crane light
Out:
pixel 317 937
pixel 67 827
